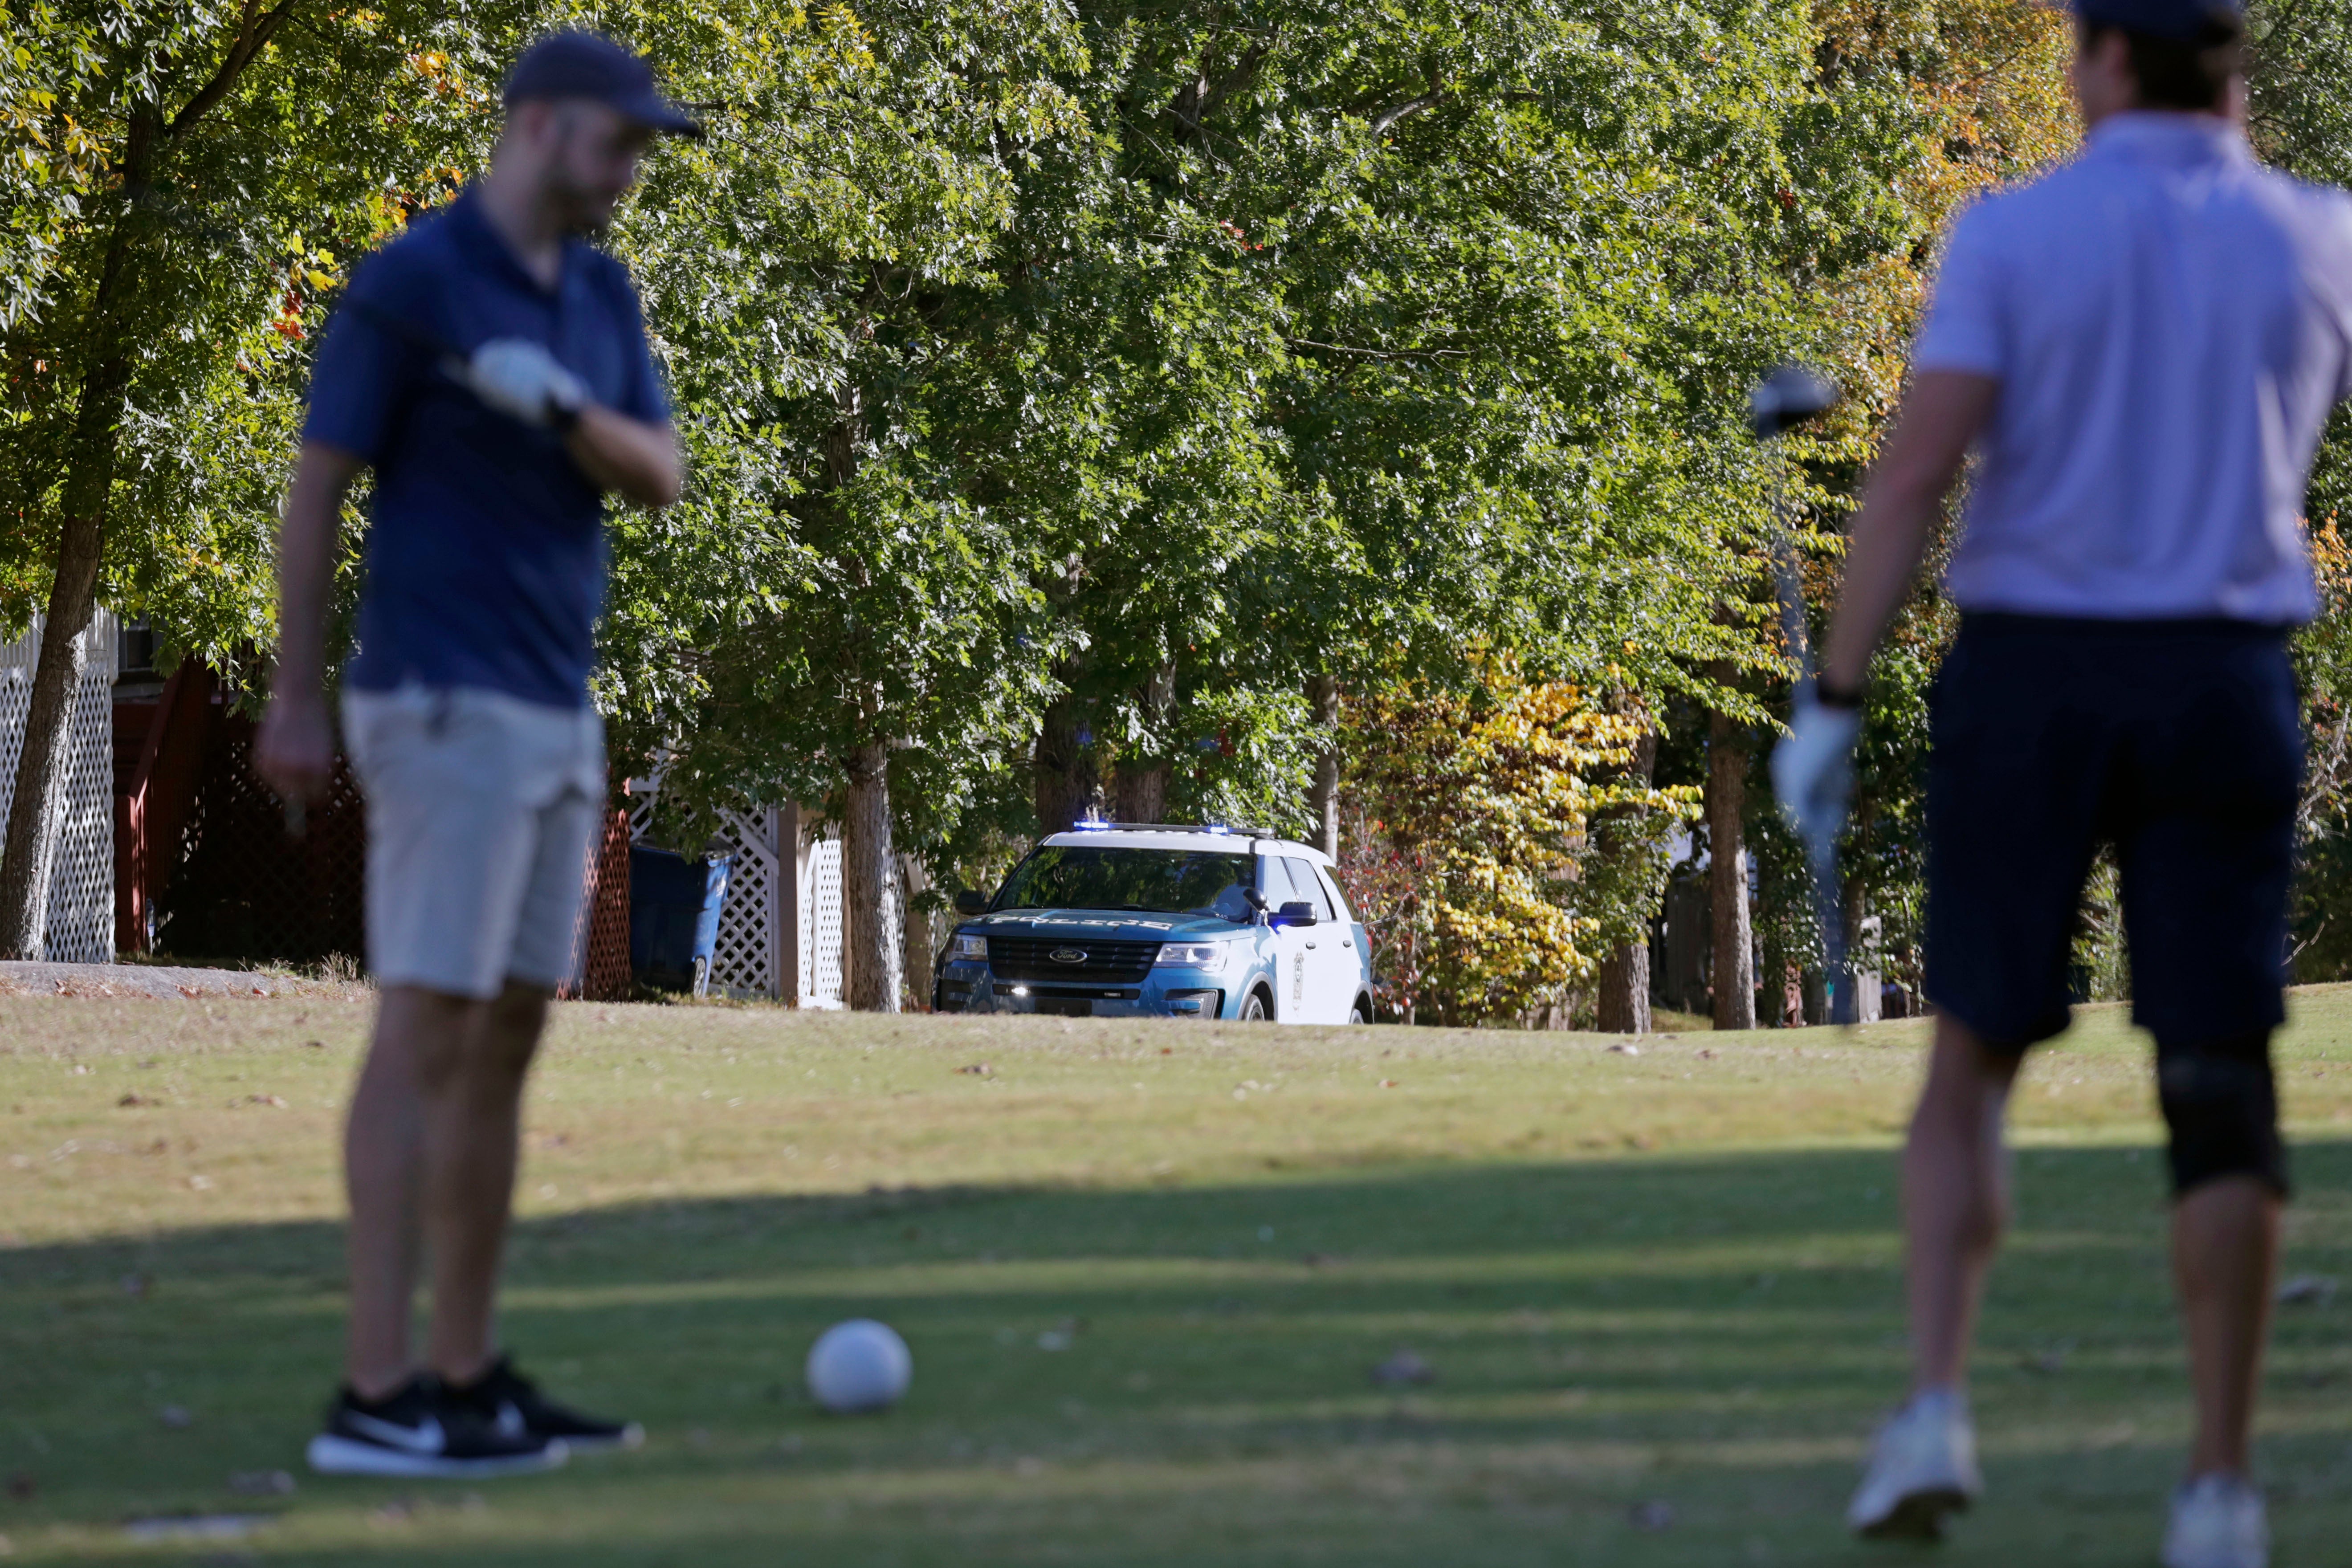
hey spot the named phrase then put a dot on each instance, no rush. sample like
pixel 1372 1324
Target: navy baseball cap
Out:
pixel 2181 20
pixel 589 64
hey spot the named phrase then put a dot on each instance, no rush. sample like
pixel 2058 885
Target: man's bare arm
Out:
pixel 637 459
pixel 1941 415
pixel 295 752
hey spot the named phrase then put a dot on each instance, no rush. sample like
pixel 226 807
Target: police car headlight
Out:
pixel 1194 954
pixel 972 947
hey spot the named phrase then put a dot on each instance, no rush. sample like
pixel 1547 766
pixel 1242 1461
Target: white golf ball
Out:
pixel 858 1366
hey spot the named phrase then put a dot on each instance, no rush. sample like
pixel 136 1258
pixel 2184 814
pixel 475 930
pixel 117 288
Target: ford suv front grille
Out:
pixel 1085 959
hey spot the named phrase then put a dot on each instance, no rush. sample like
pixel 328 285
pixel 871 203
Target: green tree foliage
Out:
pixel 1095 377
pixel 213 169
pixel 194 164
pixel 49 162
pixel 1071 390
pixel 1944 99
pixel 2300 115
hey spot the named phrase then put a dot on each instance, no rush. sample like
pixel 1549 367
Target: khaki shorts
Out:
pixel 480 811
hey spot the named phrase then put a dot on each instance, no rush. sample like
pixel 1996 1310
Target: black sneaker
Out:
pixel 421 1431
pixel 511 1404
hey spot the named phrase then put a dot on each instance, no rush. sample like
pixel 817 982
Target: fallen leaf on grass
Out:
pixel 195 1526
pixel 130 1100
pixel 979 1069
pixel 2307 1290
pixel 2048 1363
pixel 1388 1083
pixel 1624 1048
pixel 190 991
pixel 1403 1369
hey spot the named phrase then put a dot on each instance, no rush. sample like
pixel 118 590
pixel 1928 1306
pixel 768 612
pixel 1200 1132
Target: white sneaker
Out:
pixel 2218 1522
pixel 1923 1466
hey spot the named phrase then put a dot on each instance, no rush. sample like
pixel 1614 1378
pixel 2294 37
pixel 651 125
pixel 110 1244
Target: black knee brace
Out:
pixel 2222 1104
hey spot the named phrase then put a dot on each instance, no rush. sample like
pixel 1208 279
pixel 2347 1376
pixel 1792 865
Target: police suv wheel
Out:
pixel 1254 1008
pixel 1359 1011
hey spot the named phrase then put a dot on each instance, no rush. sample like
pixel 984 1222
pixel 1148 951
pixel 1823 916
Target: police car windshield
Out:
pixel 1163 882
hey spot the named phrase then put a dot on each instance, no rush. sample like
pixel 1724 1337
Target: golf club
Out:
pixel 1786 398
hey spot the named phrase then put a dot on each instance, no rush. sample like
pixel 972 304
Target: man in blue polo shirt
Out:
pixel 491 368
pixel 2143 348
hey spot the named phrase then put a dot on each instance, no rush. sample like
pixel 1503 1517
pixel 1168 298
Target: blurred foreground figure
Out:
pixel 492 368
pixel 2142 347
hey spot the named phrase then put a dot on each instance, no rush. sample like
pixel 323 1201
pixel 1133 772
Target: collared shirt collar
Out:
pixel 490 247
pixel 2156 136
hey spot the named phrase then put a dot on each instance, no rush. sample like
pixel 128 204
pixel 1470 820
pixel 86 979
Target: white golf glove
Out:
pixel 1812 770
pixel 518 377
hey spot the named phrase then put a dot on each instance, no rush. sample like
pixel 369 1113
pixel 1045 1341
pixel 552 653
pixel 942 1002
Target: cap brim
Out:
pixel 657 114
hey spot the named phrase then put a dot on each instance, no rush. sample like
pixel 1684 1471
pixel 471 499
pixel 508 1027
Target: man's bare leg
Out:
pixel 2224 1256
pixel 1955 1198
pixel 473 1130
pixel 401 1127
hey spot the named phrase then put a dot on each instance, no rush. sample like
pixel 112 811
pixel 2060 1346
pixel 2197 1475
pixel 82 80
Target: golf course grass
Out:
pixel 1147 1270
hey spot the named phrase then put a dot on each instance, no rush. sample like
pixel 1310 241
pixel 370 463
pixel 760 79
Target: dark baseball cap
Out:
pixel 588 65
pixel 2181 20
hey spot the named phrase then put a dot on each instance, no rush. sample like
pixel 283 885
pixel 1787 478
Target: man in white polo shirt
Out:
pixel 2142 347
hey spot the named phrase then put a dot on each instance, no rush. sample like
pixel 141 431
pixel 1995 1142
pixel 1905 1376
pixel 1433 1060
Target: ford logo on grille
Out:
pixel 1068 955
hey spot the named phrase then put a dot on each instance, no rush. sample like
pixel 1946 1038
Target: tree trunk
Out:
pixel 1063 774
pixel 1323 698
pixel 1622 1005
pixel 1139 784
pixel 1727 790
pixel 1142 792
pixel 923 942
pixel 874 935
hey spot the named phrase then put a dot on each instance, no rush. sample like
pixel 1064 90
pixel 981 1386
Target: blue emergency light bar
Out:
pixel 1219 829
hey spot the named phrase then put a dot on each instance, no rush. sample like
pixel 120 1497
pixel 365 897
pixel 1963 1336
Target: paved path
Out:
pixel 159 980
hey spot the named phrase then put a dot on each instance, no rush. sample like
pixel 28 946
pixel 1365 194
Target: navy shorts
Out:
pixel 2178 742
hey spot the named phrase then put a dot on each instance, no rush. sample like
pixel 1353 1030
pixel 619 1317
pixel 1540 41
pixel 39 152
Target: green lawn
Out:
pixel 1146 1270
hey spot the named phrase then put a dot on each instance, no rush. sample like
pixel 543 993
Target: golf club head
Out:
pixel 1788 397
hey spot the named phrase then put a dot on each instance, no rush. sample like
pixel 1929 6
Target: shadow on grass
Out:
pixel 1182 1374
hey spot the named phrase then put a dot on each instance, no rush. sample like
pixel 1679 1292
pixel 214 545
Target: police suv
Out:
pixel 1119 920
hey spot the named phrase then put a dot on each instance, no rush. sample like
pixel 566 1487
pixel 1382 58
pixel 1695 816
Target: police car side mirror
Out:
pixel 971 902
pixel 1298 912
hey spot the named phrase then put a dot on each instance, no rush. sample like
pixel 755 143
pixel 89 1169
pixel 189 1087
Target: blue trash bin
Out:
pixel 674 905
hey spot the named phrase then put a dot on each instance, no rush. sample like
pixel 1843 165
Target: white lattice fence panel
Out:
pixel 820 927
pixel 745 961
pixel 82 879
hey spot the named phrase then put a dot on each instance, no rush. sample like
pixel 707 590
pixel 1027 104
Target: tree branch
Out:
pixel 252 36
pixel 1388 118
pixel 1379 353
